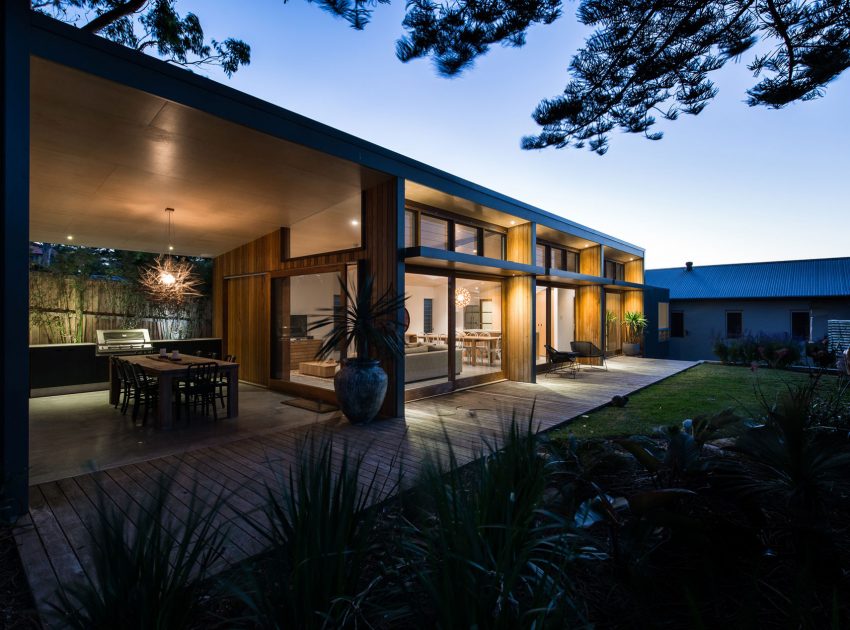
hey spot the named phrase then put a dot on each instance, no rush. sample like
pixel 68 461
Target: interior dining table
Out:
pixel 166 370
pixel 471 342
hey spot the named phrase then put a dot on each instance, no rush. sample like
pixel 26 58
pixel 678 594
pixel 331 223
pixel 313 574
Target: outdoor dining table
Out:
pixel 166 371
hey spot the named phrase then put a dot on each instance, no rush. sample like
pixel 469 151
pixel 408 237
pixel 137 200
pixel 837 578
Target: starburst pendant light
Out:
pixel 168 280
pixel 462 297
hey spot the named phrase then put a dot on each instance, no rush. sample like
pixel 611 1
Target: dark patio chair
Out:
pixel 145 390
pixel 199 389
pixel 589 350
pixel 223 381
pixel 561 362
pixel 125 382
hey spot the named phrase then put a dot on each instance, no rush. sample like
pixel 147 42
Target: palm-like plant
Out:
pixel 372 325
pixel 635 323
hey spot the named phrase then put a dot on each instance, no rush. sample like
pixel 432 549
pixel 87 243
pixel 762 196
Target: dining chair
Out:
pixel 145 390
pixel 125 382
pixel 482 347
pixel 223 381
pixel 198 389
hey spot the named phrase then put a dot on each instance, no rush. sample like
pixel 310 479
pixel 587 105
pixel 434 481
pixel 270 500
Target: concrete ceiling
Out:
pixel 107 159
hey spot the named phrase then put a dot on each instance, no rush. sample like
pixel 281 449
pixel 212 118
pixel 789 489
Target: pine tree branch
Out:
pixel 782 30
pixel 113 15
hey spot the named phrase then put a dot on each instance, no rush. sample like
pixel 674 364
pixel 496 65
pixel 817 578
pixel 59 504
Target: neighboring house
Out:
pixel 795 298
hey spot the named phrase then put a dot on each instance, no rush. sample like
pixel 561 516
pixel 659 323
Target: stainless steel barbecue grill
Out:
pixel 110 342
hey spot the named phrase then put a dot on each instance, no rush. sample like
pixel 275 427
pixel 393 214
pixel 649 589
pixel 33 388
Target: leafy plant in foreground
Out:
pixel 484 552
pixel 320 531
pixel 148 576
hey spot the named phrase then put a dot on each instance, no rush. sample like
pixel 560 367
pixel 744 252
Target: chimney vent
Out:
pixel 689 266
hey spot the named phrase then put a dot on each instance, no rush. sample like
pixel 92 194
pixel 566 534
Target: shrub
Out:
pixel 773 351
pixel 483 552
pixel 148 576
pixel 319 530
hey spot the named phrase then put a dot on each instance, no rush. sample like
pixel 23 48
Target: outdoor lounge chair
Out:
pixel 561 362
pixel 589 350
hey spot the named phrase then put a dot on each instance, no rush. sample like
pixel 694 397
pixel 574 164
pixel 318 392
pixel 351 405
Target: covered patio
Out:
pixel 53 539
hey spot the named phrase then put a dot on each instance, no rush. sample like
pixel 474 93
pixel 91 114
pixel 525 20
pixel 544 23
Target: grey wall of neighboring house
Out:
pixel 705 320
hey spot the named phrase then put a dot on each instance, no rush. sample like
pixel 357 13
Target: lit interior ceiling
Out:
pixel 106 160
pixel 459 205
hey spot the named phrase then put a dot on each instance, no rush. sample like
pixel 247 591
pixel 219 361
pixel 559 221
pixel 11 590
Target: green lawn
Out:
pixel 701 390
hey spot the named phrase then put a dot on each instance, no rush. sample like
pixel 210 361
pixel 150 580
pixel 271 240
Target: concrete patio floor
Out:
pixel 240 459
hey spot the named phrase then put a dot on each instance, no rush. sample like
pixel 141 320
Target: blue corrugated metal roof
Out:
pixel 821 277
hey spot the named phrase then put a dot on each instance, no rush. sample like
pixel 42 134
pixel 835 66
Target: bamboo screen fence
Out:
pixel 69 309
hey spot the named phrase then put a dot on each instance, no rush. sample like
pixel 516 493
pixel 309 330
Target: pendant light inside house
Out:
pixel 170 281
pixel 462 297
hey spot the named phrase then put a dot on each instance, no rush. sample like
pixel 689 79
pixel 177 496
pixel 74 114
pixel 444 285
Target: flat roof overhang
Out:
pixel 443 259
pixel 69 46
pixel 432 258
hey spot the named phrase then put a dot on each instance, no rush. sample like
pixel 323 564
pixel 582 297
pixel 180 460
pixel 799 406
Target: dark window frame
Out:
pixel 808 326
pixel 677 324
pixel 740 332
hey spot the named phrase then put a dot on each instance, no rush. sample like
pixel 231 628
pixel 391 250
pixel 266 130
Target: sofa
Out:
pixel 424 361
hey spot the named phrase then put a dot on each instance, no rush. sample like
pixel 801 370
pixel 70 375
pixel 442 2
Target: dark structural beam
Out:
pixel 14 312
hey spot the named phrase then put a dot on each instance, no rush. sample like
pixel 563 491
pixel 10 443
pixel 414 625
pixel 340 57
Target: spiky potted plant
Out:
pixel 635 323
pixel 373 327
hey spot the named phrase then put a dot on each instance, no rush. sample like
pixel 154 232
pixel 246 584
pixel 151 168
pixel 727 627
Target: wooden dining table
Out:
pixel 166 371
pixel 470 342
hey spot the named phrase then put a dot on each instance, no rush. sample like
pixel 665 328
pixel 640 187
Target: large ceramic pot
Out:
pixel 631 349
pixel 360 386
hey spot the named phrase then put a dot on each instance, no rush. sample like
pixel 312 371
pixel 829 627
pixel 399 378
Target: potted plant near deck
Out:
pixel 372 326
pixel 635 323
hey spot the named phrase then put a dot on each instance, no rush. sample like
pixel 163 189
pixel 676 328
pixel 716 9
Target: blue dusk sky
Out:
pixel 733 184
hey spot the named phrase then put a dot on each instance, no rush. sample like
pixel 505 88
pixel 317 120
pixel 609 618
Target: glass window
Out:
pixel 677 324
pixel 494 245
pixel 466 239
pixel 478 315
pixel 734 324
pixel 571 263
pixel 433 232
pixel 615 270
pixel 298 303
pixel 428 315
pixel 426 349
pixel 409 228
pixel 556 255
pixel 540 255
pixel 800 325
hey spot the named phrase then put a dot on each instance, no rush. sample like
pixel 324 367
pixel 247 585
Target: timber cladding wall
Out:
pixel 383 211
pixel 518 308
pixel 633 300
pixel 247 326
pixel 589 307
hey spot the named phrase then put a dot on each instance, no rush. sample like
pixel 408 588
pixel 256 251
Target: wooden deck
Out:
pixel 53 538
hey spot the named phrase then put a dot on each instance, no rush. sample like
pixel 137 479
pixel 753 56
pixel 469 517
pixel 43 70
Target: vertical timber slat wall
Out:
pixel 247 331
pixel 633 300
pixel 590 310
pixel 14 313
pixel 383 214
pixel 518 312
pixel 242 306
